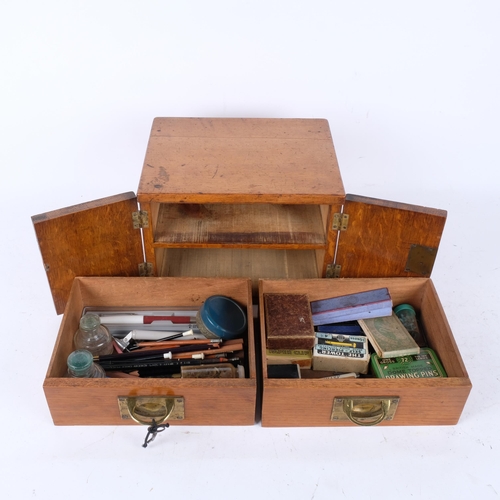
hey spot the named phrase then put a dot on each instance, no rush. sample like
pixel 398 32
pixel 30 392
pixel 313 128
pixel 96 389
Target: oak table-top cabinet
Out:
pixel 255 199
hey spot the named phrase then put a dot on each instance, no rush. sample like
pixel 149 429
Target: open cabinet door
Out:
pixel 387 239
pixel 91 239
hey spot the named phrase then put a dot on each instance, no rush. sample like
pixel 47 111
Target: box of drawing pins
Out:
pixel 362 305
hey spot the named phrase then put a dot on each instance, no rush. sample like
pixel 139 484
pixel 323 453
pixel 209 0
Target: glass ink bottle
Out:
pixel 81 365
pixel 407 315
pixel 93 336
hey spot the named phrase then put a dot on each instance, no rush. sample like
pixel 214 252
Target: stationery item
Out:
pixel 345 328
pixel 121 321
pixel 342 375
pixel 81 365
pixel 426 364
pixel 217 370
pixel 118 374
pixel 283 371
pixel 155 335
pixel 176 343
pixel 221 317
pixel 288 321
pixel 173 364
pixel 341 353
pixel 140 319
pixel 93 336
pixel 408 317
pixel 173 369
pixel 389 337
pixel 315 374
pixel 118 346
pixel 141 354
pixel 301 357
pixel 362 305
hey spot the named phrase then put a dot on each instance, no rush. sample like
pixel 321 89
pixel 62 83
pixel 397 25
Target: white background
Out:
pixel 410 90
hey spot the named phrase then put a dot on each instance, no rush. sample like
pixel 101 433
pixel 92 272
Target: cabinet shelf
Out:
pixel 225 262
pixel 239 225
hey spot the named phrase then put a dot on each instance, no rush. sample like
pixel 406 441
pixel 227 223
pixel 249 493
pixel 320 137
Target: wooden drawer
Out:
pixel 309 402
pixel 95 401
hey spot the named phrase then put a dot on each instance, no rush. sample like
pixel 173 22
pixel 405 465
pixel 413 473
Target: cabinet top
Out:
pixel 232 160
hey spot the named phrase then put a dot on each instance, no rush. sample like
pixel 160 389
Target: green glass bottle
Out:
pixel 81 365
pixel 408 317
pixel 93 336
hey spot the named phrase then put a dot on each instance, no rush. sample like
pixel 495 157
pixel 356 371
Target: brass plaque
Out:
pixel 421 260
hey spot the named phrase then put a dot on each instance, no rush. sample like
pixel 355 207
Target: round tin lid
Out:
pixel 223 317
pixel 404 307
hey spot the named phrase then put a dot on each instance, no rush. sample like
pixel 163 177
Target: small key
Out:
pixel 153 430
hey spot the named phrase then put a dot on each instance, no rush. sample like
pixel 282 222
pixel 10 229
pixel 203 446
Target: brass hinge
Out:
pixel 340 222
pixel 140 219
pixel 145 269
pixel 333 270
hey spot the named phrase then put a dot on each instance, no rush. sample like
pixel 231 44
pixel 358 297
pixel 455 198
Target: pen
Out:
pixel 151 353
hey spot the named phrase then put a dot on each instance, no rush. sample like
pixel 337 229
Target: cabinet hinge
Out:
pixel 140 219
pixel 333 270
pixel 145 269
pixel 340 222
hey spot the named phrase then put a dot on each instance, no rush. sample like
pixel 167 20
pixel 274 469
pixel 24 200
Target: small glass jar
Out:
pixel 407 315
pixel 81 365
pixel 93 336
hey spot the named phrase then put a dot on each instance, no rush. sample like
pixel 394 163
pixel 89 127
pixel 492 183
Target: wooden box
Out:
pixel 197 401
pixel 319 402
pixel 243 198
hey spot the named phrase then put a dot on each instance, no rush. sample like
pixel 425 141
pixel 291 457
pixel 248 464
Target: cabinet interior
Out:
pixel 256 240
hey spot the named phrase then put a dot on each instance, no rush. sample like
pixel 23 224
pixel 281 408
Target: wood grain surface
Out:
pixel 380 235
pixel 438 401
pixel 95 401
pixel 207 160
pixel 90 239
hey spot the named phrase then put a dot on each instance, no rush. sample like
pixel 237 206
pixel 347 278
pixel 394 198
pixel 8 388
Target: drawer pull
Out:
pixel 146 409
pixel 364 411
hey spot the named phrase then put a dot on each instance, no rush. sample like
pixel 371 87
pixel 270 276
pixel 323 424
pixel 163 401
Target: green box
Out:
pixel 423 365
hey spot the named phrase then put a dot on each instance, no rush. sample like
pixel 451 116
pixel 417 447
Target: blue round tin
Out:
pixel 221 317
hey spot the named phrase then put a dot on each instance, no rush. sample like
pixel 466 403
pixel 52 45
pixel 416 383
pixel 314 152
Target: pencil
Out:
pixel 151 353
pixel 166 363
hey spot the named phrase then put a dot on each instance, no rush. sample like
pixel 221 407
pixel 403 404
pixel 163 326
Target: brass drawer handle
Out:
pixel 364 411
pixel 146 409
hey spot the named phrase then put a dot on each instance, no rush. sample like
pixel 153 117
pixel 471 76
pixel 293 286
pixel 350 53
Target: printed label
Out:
pixel 341 345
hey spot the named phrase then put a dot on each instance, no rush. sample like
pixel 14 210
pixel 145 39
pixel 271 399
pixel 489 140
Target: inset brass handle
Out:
pixel 145 409
pixel 364 410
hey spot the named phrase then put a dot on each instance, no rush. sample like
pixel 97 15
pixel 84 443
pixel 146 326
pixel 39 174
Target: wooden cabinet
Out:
pixel 251 199
pixel 231 197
